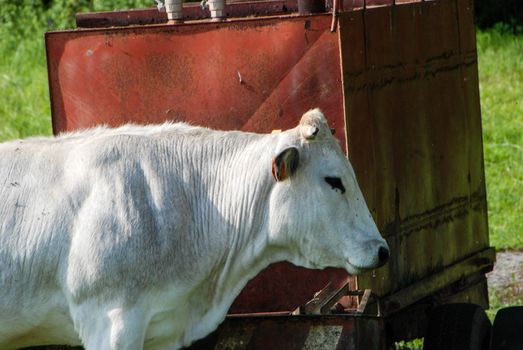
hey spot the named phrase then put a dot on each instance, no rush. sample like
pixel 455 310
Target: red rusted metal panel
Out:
pixel 229 75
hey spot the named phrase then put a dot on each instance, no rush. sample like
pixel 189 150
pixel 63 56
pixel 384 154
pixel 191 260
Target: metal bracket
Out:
pixel 367 297
pixel 323 300
pixel 335 10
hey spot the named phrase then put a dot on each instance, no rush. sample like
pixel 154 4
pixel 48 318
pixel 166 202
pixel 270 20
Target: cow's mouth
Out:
pixel 355 269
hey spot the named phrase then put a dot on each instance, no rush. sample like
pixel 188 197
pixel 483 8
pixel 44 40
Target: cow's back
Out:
pixel 33 220
pixel 54 191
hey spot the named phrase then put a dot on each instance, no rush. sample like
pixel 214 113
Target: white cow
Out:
pixel 142 236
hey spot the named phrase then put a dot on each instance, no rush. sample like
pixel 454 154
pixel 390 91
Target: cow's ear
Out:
pixel 284 165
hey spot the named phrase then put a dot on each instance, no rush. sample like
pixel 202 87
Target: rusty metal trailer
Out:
pixel 399 82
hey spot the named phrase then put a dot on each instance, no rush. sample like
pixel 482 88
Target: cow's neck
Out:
pixel 247 184
pixel 241 216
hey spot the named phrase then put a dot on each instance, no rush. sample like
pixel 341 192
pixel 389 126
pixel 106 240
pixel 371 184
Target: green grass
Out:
pixel 24 98
pixel 24 106
pixel 500 57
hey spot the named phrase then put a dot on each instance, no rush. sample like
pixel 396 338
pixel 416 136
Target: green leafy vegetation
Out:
pixel 416 344
pixel 490 13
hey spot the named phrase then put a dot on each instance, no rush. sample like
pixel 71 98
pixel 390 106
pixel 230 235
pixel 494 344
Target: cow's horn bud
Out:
pixel 311 124
pixel 309 132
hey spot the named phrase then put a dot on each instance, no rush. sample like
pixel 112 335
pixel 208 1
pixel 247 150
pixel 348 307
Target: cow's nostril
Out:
pixel 383 255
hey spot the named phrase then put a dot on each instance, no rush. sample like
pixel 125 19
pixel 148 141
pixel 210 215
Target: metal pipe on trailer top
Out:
pixel 174 8
pixel 217 8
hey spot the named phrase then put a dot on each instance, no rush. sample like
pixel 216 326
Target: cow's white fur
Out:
pixel 116 238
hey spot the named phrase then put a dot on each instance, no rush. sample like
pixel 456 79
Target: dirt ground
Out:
pixel 507 270
pixel 506 280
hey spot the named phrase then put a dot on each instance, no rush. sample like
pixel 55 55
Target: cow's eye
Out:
pixel 335 183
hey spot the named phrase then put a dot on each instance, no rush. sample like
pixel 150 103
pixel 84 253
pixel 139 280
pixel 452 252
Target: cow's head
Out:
pixel 317 210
